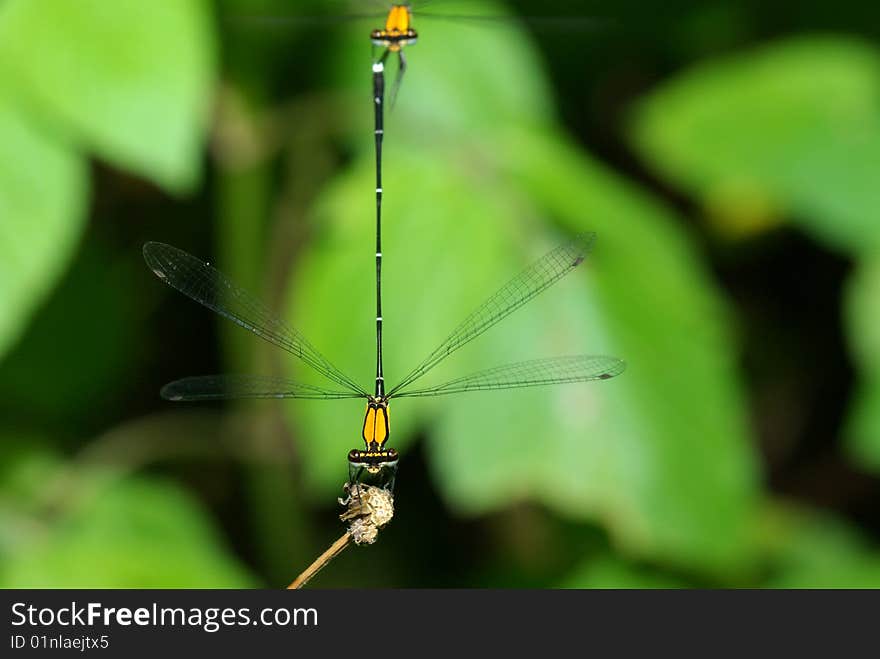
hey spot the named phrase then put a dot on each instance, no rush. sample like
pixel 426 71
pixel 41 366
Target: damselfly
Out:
pixel 392 26
pixel 391 38
pixel 397 33
pixel 376 461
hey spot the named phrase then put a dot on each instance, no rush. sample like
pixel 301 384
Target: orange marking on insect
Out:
pixel 399 19
pixel 376 424
pixel 398 31
pixel 369 424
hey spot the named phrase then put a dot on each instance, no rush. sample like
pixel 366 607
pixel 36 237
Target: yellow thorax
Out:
pixel 377 425
pixel 398 21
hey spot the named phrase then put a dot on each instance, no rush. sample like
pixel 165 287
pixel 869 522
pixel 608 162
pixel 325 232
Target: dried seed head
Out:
pixel 363 532
pixel 367 508
pixel 382 507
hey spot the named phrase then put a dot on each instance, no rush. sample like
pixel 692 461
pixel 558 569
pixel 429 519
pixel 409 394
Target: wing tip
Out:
pixel 152 257
pixel 170 392
pixel 151 247
pixel 581 246
pixel 618 366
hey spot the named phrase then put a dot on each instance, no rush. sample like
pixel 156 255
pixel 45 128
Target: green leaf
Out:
pixel 43 196
pixel 26 464
pixel 610 571
pixel 97 356
pixel 668 475
pixel 863 327
pixel 127 79
pixel 135 533
pixel 816 550
pixel 789 130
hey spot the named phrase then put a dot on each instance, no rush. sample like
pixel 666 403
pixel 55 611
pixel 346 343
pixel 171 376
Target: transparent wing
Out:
pixel 561 24
pixel 542 274
pixel 300 21
pixel 534 373
pixel 226 387
pixel 210 288
pixel 340 13
pixel 327 14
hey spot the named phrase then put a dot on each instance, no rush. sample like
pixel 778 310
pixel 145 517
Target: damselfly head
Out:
pixel 373 461
pixel 376 468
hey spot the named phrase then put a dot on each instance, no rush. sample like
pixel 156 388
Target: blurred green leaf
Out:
pixel 136 533
pixel 660 455
pixel 668 476
pixel 130 80
pixel 610 571
pixel 863 327
pixel 791 129
pixel 96 356
pixel 26 463
pixel 816 550
pixel 43 195
pixel 802 548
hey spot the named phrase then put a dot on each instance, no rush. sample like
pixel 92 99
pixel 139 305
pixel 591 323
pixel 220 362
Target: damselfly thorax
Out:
pixel 398 31
pixel 376 460
pixel 377 426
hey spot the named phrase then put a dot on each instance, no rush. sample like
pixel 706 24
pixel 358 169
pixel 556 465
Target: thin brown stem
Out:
pixel 332 552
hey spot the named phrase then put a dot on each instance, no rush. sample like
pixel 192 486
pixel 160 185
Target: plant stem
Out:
pixel 332 552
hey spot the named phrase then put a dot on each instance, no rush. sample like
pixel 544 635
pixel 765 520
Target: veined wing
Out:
pixel 212 289
pixel 378 12
pixel 557 23
pixel 327 14
pixel 227 387
pixel 535 279
pixel 287 21
pixel 533 373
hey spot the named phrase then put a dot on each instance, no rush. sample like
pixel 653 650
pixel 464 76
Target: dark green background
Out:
pixel 726 153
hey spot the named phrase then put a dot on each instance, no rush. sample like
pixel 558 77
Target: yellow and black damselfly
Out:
pixel 397 33
pixel 209 287
pixel 392 38
pixel 393 26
